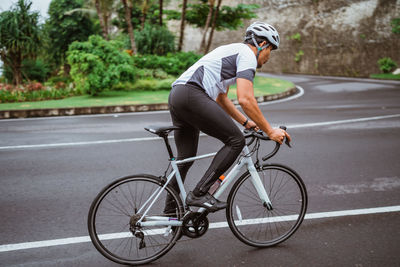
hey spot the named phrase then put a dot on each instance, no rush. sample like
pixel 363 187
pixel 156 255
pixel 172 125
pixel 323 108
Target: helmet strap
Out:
pixel 259 49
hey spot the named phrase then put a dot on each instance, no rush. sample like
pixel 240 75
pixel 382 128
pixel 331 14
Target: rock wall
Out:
pixel 341 37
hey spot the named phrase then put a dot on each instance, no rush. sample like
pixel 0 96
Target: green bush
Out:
pixel 386 64
pixel 97 64
pixel 57 79
pixel 154 39
pixel 172 63
pixel 395 25
pixel 151 74
pixel 33 94
pixel 145 85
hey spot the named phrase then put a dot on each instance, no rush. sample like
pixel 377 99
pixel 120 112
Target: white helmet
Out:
pixel 265 30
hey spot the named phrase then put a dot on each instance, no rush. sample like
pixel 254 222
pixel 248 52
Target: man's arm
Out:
pixel 245 96
pixel 230 108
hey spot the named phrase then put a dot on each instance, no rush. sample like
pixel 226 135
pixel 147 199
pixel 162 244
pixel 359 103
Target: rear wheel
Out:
pixel 113 217
pixel 258 225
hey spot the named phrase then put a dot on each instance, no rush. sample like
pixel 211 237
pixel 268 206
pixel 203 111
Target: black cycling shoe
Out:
pixel 206 201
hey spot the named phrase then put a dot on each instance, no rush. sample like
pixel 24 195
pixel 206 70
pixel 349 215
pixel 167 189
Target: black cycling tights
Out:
pixel 192 110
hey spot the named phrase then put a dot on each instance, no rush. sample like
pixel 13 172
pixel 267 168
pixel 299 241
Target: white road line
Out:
pixel 140 139
pixel 81 143
pixel 326 123
pixel 84 239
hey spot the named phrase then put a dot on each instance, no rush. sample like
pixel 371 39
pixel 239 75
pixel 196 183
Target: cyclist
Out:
pixel 198 102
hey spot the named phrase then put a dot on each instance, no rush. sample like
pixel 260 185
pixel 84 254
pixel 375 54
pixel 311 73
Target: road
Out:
pixel 345 146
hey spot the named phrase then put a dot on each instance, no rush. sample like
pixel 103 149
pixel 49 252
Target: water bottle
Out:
pixel 216 185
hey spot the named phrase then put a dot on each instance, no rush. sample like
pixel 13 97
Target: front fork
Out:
pixel 256 180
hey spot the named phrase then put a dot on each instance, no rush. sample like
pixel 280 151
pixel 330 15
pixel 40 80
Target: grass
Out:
pixel 262 86
pixel 386 76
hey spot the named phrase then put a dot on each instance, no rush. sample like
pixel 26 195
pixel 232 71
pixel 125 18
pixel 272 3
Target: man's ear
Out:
pixel 262 44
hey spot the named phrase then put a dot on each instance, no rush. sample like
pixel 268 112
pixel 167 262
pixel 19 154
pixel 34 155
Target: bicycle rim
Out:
pixel 256 225
pixel 110 216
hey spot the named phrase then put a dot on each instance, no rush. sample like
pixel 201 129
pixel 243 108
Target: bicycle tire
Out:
pixel 110 217
pixel 252 222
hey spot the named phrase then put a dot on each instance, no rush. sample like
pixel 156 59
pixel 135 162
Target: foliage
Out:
pixel 386 64
pixel 395 25
pixel 19 36
pixel 173 64
pixel 31 69
pixel 230 18
pixel 296 37
pixel 97 64
pixel 63 28
pixel 299 55
pixel 145 85
pixel 154 39
pixel 136 15
pixel 32 92
pixel 387 76
pixel 151 74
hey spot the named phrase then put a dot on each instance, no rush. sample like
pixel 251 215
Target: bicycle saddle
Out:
pixel 161 130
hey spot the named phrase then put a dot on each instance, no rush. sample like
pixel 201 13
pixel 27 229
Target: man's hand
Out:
pixel 278 135
pixel 252 125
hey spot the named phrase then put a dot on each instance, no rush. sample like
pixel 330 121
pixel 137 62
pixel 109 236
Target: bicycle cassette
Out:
pixel 195 224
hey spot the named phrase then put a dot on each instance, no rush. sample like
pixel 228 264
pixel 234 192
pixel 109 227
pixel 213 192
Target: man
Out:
pixel 198 102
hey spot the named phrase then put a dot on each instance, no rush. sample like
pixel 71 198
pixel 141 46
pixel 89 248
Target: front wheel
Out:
pixel 115 212
pixel 257 224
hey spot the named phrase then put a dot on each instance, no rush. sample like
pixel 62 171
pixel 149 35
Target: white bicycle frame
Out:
pixel 245 162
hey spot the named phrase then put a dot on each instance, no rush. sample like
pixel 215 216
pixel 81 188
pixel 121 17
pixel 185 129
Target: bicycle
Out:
pixel 266 205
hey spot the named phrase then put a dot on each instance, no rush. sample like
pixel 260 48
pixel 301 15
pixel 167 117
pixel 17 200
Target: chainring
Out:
pixel 195 224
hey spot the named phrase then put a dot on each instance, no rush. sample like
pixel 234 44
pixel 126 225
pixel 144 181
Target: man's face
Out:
pixel 264 56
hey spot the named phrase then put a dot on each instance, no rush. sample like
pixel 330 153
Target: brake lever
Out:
pixel 287 142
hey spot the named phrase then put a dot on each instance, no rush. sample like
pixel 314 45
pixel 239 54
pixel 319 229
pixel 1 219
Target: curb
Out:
pixel 50 112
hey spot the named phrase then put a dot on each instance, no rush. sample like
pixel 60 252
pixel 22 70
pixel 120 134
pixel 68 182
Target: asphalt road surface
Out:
pixel 345 146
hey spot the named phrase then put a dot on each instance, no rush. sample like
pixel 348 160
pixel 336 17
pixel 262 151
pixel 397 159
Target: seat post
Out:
pixel 171 155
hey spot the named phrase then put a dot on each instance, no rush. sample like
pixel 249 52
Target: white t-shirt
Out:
pixel 220 68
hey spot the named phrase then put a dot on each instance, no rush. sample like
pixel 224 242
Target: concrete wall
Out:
pixel 340 37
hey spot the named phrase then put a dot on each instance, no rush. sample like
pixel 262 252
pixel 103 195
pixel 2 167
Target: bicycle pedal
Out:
pixel 142 244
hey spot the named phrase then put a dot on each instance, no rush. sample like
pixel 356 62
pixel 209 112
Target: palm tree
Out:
pixel 19 37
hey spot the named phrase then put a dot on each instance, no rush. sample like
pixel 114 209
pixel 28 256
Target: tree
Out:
pixel 103 9
pixel 227 18
pixel 213 26
pixel 160 4
pixel 139 13
pixel 182 30
pixel 19 37
pixel 128 20
pixel 63 29
pixel 208 20
pixel 145 9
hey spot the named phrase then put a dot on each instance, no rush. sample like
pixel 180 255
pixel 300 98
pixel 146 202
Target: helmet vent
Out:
pixel 258 29
pixel 272 29
pixel 264 28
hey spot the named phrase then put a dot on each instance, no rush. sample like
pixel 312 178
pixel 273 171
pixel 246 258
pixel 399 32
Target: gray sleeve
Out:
pixel 246 74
